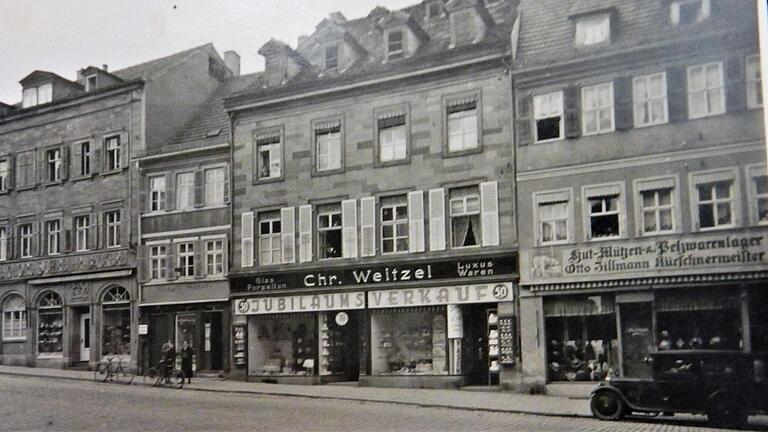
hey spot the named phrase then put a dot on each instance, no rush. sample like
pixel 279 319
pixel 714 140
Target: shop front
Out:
pixel 606 308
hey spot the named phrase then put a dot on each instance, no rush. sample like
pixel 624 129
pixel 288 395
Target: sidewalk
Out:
pixel 494 401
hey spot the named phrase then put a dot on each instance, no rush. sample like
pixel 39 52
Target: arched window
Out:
pixel 50 325
pixel 116 322
pixel 14 318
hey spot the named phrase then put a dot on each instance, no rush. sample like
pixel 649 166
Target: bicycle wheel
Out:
pixel 152 377
pixel 177 378
pixel 123 375
pixel 100 372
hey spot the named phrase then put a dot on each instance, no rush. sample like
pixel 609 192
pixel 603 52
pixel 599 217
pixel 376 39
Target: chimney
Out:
pixel 232 60
pixel 105 68
pixel 469 21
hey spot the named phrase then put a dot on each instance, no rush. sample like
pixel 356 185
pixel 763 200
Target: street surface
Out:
pixel 58 405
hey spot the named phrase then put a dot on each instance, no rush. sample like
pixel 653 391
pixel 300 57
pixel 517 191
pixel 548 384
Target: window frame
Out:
pixel 753 83
pixel 5 231
pixel 32 165
pixel 265 135
pixel 584 23
pixel 214 253
pixel 112 229
pixel 450 216
pixel 91 87
pixel 657 183
pixel 50 235
pixel 597 110
pixel 161 259
pixel 690 92
pixel 561 114
pixel 711 176
pixel 647 102
pixel 553 196
pixel 117 150
pixel 705 11
pixel 398 54
pixel 17 315
pixel 337 67
pixel 270 218
pixel 5 173
pixel 223 186
pixel 78 229
pixel 86 158
pixel 162 193
pixel 602 190
pixel 394 223
pixel 330 213
pixel 750 172
pixel 386 113
pixel 318 127
pixel 58 164
pixel 28 238
pixel 189 266
pixel 189 189
pixel 455 99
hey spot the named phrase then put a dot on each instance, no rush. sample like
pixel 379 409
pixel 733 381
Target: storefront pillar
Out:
pixel 746 327
pixel 532 345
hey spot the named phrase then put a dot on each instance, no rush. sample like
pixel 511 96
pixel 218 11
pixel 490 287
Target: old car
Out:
pixel 727 386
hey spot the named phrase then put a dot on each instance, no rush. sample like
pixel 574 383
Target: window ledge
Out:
pixel 554 243
pixel 604 239
pixel 50 356
pixel 111 172
pixel 186 210
pixel 550 140
pixel 718 228
pixel 81 178
pixel 14 339
pixel 648 125
pixel 458 153
pixel 605 132
pixel 387 164
pixel 4 192
pixel 704 116
pixel 316 173
pixel 23 188
pixel 53 183
pixel 265 180
pixel 660 234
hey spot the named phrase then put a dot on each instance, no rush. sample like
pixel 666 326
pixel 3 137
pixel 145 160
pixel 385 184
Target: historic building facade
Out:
pixel 68 227
pixel 641 182
pixel 374 232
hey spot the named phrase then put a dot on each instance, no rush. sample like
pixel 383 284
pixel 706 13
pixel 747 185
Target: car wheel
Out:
pixel 607 405
pixel 726 411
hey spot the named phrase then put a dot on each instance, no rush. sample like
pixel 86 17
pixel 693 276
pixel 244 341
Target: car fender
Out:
pixel 728 394
pixel 608 387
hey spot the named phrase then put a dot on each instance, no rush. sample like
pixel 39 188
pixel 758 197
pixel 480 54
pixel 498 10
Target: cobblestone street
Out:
pixel 57 405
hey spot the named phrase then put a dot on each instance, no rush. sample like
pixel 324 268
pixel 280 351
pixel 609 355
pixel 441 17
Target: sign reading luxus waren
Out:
pixel 300 303
pixel 370 276
pixel 434 296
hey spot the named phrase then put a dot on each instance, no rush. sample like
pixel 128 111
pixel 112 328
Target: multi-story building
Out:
pixel 184 205
pixel 68 230
pixel 374 228
pixel 641 182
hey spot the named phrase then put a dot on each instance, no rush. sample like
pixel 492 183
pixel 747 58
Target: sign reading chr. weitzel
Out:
pixel 699 252
pixel 399 274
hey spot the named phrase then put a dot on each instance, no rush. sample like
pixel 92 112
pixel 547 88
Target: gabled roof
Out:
pixel 38 76
pixel 157 67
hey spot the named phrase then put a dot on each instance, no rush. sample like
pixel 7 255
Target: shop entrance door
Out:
pixel 85 337
pixel 212 342
pixel 160 332
pixel 637 340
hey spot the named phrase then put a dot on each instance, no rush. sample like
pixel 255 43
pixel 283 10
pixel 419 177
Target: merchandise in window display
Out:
pixel 116 332
pixel 49 333
pixel 283 346
pixel 411 344
pixel 333 347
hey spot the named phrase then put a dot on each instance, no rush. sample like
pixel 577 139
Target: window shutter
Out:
pixel 489 210
pixel 246 245
pixel 171 262
pixel 524 119
pixel 11 251
pixel 437 219
pixel 677 94
pixel 64 170
pixel 622 90
pixel 199 188
pixel 225 256
pixel 735 90
pixel 349 228
pixel 288 234
pixel 572 107
pixel 124 228
pixel 305 233
pixel 200 265
pixel 93 236
pixel 142 264
pixel 227 193
pixel 416 221
pixel 67 241
pixel 144 185
pixel 11 180
pixel 170 192
pixel 35 239
pixel 124 154
pixel 367 227
pixel 96 156
pixel 77 155
pixel 40 167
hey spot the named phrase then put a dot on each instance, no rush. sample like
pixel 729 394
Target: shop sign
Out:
pixel 64 265
pixel 694 252
pixel 368 276
pixel 434 296
pixel 342 318
pixel 300 303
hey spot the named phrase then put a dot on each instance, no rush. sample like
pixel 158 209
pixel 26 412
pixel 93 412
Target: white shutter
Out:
pixel 416 221
pixel 367 227
pixel 246 245
pixel 305 233
pixel 489 211
pixel 437 219
pixel 349 228
pixel 288 234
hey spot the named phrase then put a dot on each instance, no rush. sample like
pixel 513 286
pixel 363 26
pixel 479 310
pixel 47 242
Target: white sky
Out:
pixel 62 36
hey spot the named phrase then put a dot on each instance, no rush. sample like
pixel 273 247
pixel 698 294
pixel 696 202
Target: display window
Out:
pixel 704 319
pixel 50 326
pixel 186 327
pixel 338 350
pixel 409 341
pixel 116 322
pixel 582 343
pixel 282 345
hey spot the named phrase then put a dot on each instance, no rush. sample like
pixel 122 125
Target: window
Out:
pixel 116 322
pixel 185 190
pixel 597 105
pixel 25 240
pixel 53 165
pixel 650 99
pixel 714 204
pixel 90 83
pixel 4 175
pixel 329 234
pixel 548 115
pixel 50 326
pixel 85 158
pixel 113 153
pixel 214 257
pixel 433 10
pixel 754 83
pixel 706 93
pixel 157 193
pixel 553 220
pixel 270 245
pixel 113 228
pixel 53 236
pixel 25 169
pixel 14 318
pixel 395 44
pixel 332 58
pixel 82 228
pixel 604 216
pixel 465 217
pixel 392 138
pixel 462 125
pixel 684 12
pixel 158 262
pixel 185 263
pixel 758 201
pixel 37 95
pixel 268 156
pixel 328 142
pixel 657 210
pixel 593 30
pixel 3 243
pixel 214 186
pixel 394 225
pixel 29 97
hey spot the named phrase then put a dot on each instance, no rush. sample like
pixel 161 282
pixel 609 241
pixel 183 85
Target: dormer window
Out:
pixel 684 12
pixel 395 44
pixel 37 95
pixel 90 83
pixel 433 10
pixel 332 58
pixel 593 30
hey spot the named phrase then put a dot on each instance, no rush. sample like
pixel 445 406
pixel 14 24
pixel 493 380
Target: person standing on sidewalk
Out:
pixel 186 360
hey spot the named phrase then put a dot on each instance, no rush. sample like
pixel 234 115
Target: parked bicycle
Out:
pixel 113 370
pixel 165 375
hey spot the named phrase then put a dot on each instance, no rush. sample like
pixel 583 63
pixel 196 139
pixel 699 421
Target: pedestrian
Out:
pixel 187 353
pixel 168 359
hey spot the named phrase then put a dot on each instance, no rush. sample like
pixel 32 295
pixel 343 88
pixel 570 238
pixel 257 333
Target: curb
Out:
pixel 316 397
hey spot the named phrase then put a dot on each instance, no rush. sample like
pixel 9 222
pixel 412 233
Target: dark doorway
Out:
pixel 637 339
pixel 474 344
pixel 160 331
pixel 211 348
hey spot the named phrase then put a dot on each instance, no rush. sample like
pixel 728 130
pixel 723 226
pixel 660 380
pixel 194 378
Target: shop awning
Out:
pixel 648 282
